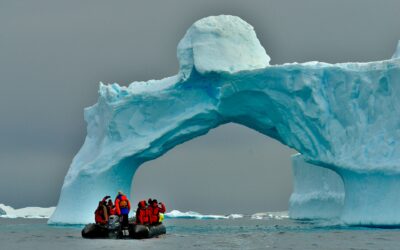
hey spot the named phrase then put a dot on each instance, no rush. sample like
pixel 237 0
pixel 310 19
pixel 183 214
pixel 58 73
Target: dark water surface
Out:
pixel 242 233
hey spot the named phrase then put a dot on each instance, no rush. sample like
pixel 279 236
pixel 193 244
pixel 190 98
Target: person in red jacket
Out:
pixel 122 204
pixel 122 208
pixel 155 210
pixel 111 208
pixel 101 215
pixel 142 213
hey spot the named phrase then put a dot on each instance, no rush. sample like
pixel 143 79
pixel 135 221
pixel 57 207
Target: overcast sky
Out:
pixel 54 53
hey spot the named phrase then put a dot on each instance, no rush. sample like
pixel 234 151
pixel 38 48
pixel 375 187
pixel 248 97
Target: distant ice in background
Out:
pixel 195 215
pixel 44 213
pixel 27 212
pixel 270 215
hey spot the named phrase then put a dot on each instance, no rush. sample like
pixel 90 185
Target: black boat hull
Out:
pixel 95 231
pixel 145 232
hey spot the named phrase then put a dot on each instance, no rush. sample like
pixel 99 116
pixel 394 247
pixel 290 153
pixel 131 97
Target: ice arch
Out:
pixel 336 115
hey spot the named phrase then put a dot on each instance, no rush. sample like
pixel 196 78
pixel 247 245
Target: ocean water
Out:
pixel 243 233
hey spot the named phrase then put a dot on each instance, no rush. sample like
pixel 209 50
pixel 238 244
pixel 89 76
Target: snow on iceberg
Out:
pixel 317 192
pixel 195 215
pixel 27 212
pixel 339 116
pixel 222 44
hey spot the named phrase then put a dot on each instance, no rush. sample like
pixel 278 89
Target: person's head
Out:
pixel 110 203
pixel 142 204
pixel 120 193
pixel 154 203
pixel 150 201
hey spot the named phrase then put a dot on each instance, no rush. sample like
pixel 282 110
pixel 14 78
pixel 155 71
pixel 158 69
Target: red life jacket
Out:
pixel 142 213
pixel 111 211
pixel 155 213
pixel 99 216
pixel 142 216
pixel 122 205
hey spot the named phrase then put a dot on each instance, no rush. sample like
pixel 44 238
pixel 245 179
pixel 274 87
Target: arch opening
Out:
pixel 232 169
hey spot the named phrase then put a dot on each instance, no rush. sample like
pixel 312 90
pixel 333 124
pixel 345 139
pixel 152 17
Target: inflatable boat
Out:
pixel 114 231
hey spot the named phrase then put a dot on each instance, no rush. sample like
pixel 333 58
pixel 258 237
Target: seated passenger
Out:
pixel 155 210
pixel 101 215
pixel 111 208
pixel 142 213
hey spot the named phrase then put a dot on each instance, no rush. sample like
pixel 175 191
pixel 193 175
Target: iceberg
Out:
pixel 27 212
pixel 338 116
pixel 318 192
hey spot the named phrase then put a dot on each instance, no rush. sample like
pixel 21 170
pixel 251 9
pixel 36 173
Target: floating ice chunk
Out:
pixel 270 215
pixel 235 216
pixel 195 215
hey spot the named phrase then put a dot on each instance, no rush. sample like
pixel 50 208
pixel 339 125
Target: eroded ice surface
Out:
pixel 341 116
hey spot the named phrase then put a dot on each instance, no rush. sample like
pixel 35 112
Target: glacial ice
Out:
pixel 338 116
pixel 27 212
pixel 317 192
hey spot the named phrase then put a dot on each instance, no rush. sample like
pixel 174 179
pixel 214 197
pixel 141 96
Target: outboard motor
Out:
pixel 113 222
pixel 114 227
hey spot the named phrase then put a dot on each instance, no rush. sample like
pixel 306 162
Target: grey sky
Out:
pixel 54 53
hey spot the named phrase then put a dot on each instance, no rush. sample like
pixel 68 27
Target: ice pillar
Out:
pixel 318 191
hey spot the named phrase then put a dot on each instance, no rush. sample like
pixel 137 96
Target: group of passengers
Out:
pixel 105 209
pixel 149 213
